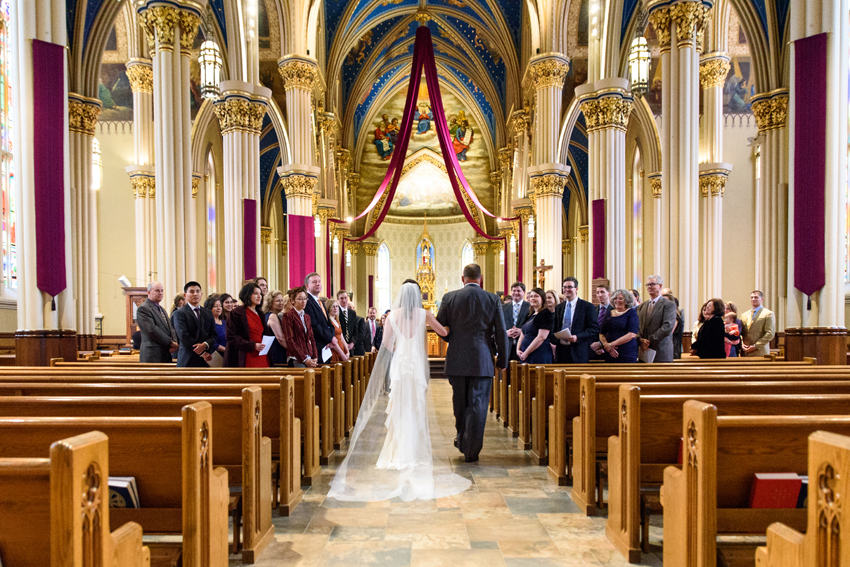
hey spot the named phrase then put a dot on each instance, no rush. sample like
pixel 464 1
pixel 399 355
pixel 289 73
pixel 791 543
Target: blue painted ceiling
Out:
pixel 577 155
pixel 269 159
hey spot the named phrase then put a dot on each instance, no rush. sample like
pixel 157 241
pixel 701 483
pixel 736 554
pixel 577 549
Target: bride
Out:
pixel 389 455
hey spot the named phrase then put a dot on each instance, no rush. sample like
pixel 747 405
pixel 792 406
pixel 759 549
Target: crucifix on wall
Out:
pixel 540 274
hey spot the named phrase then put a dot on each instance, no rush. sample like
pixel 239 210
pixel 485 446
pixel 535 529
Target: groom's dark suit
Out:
pixel 476 333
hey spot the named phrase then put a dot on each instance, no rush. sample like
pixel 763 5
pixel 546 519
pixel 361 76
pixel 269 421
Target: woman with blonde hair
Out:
pixel 275 304
pixel 340 349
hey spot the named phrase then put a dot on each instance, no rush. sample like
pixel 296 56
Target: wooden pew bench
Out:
pixel 649 439
pixel 600 417
pixel 240 446
pixel 709 495
pixel 157 451
pixel 42 516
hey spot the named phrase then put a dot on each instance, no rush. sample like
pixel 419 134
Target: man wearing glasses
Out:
pixel 657 317
pixel 575 321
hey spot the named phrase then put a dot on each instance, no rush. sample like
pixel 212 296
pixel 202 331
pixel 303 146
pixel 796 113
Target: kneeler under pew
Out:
pixel 171 459
pixel 43 520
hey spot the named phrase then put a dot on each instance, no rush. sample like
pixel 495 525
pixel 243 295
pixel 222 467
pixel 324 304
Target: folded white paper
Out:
pixel 267 343
pixel 647 355
pixel 326 354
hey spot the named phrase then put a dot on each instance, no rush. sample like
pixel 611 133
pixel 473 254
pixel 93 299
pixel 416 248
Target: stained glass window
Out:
pixel 637 221
pixel 467 255
pixel 7 170
pixel 210 184
pixel 383 279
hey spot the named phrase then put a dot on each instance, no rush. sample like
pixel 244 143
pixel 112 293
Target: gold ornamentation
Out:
pixel 607 112
pixel 325 213
pixel 438 221
pixel 480 248
pixel 567 246
pixel 583 231
pixel 550 71
pixel 712 73
pixel 422 18
pixel 506 157
pixel 239 115
pixel 299 186
pixel 159 22
pixel 140 75
pixel 371 248
pixel 713 184
pixel 771 110
pixel 524 213
pixel 298 74
pixel 376 212
pixel 353 182
pixel 496 246
pixel 328 125
pixel 424 157
pixel 143 186
pixel 660 20
pixel 690 18
pixel 354 247
pixel 549 185
pixel 283 249
pixel 82 114
pixel 266 234
pixel 343 157
pixel 196 183
pixel 189 22
pixel 496 178
pixel 519 122
pixel 655 185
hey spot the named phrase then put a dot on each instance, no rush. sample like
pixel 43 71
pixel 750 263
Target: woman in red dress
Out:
pixel 245 329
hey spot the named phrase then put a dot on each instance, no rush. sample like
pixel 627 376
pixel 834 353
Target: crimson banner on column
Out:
pixel 810 163
pixel 49 106
pixel 301 248
pixel 249 238
pixel 598 216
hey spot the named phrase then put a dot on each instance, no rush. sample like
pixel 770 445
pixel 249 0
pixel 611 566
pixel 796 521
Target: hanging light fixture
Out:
pixel 209 60
pixel 348 257
pixel 317 227
pixel 513 244
pixel 639 60
pixel 531 226
pixel 96 164
pixel 336 244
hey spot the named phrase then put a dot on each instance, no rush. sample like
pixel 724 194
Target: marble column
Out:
pixel 142 173
pixel 607 105
pixel 505 161
pixel 497 249
pixel 43 331
pixel 658 244
pixel 325 210
pixel 269 265
pixel 679 28
pixel 240 110
pixel 171 29
pixel 352 278
pixel 299 186
pixel 370 248
pixel 346 199
pixel 328 132
pixel 82 121
pixel 521 154
pixel 827 304
pixel 582 251
pixel 506 231
pixel 524 209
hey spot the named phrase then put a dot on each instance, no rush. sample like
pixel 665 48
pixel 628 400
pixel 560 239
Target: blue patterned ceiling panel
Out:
pixel 629 7
pixel 356 58
pixel 487 53
pixel 483 104
pixel 70 18
pixel 376 12
pixel 465 7
pixel 367 101
pixel 512 12
pixel 566 201
pixel 333 13
pixel 269 159
pixel 92 8
pixel 782 15
pixel 578 154
pixel 218 9
pixel 762 12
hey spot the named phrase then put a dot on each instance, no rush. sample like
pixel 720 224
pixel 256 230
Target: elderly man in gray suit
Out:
pixel 158 337
pixel 476 332
pixel 657 317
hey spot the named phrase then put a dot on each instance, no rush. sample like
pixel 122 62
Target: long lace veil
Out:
pixel 398 391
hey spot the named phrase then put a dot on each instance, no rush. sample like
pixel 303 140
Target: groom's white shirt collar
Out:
pixel 472 283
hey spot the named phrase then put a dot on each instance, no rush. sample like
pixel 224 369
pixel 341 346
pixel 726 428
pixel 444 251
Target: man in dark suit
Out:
pixel 579 316
pixel 475 323
pixel 603 298
pixel 323 330
pixel 372 331
pixel 195 328
pixel 347 316
pixel 657 317
pixel 361 337
pixel 516 315
pixel 158 337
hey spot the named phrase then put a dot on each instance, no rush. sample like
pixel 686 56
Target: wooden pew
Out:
pixel 821 543
pixel 240 445
pixel 286 414
pixel 600 415
pixel 156 451
pixel 709 495
pixel 43 520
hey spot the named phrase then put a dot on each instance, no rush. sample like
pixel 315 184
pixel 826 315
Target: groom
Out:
pixel 476 329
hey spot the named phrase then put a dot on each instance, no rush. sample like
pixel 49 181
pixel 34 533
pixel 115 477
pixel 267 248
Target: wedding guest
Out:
pixel 735 351
pixel 274 305
pixel 339 349
pixel 619 330
pixel 298 332
pixel 712 333
pixel 552 300
pixel 731 329
pixel 262 283
pixel 534 337
pixel 245 330
pixel 699 323
pixel 213 303
pixel 636 295
pixel 179 301
pixel 227 305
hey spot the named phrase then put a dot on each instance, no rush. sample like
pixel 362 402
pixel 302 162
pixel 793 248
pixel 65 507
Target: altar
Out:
pixel 435 346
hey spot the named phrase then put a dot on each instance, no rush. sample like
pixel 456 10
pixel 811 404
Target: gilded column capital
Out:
pixel 160 20
pixel 298 72
pixel 506 156
pixel 354 246
pixel 189 22
pixel 550 185
pixel 713 183
pixel 266 234
pixel 283 248
pixel 497 246
pixel 690 18
pixel 83 113
pixel 328 124
pixel 353 182
pixel 143 185
pixel 298 185
pixel 196 184
pixel 496 178
pixel 519 122
pixel 660 18
pixel 240 112
pixel 480 248
pixel 140 74
pixel 343 157
pixel 567 246
pixel 713 69
pixel 524 213
pixel 583 232
pixel 371 248
pixel 655 184
pixel 325 213
pixel 610 110
pixel 771 109
pixel 549 70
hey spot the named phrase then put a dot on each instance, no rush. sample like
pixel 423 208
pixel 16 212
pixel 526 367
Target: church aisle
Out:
pixel 511 516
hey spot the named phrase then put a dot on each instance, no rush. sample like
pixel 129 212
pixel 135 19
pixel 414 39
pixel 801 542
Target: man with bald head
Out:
pixel 158 337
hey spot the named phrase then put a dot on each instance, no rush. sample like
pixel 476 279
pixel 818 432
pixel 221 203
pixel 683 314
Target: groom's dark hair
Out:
pixel 472 272
pixel 408 280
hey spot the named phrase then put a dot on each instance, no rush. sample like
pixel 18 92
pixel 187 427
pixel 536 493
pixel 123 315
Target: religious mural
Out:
pixel 114 92
pixel 425 187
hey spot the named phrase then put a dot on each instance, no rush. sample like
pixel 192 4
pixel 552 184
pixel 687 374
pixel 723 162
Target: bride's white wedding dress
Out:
pixel 389 455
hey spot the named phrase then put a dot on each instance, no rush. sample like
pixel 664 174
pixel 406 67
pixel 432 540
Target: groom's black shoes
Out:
pixel 471 459
pixel 457 445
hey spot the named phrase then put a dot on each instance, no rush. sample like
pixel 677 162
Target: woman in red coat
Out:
pixel 245 329
pixel 300 342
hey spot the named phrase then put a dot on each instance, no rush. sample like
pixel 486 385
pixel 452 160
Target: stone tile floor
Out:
pixel 511 516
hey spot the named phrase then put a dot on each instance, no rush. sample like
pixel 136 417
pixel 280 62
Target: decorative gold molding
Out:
pixel 607 112
pixel 496 178
pixel 690 19
pixel 519 122
pixel 196 184
pixel 343 158
pixel 158 23
pixel 431 221
pixel 712 183
pixel 298 74
pixel 655 185
pixel 583 232
pixel 497 246
pixel 506 157
pixel 376 212
pixel 480 248
pixel 299 186
pixel 712 72
pixel 567 246
pixel 143 186
pixel 354 246
pixel 325 213
pixel 140 75
pixel 549 185
pixel 353 182
pixel 551 71
pixel 266 234
pixel 419 159
pixel 189 22
pixel 371 248
pixel 422 17
pixel 770 110
pixel 82 114
pixel 660 20
pixel 240 115
pixel 524 213
pixel 283 249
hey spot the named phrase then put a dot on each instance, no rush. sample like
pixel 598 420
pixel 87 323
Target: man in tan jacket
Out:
pixel 761 327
